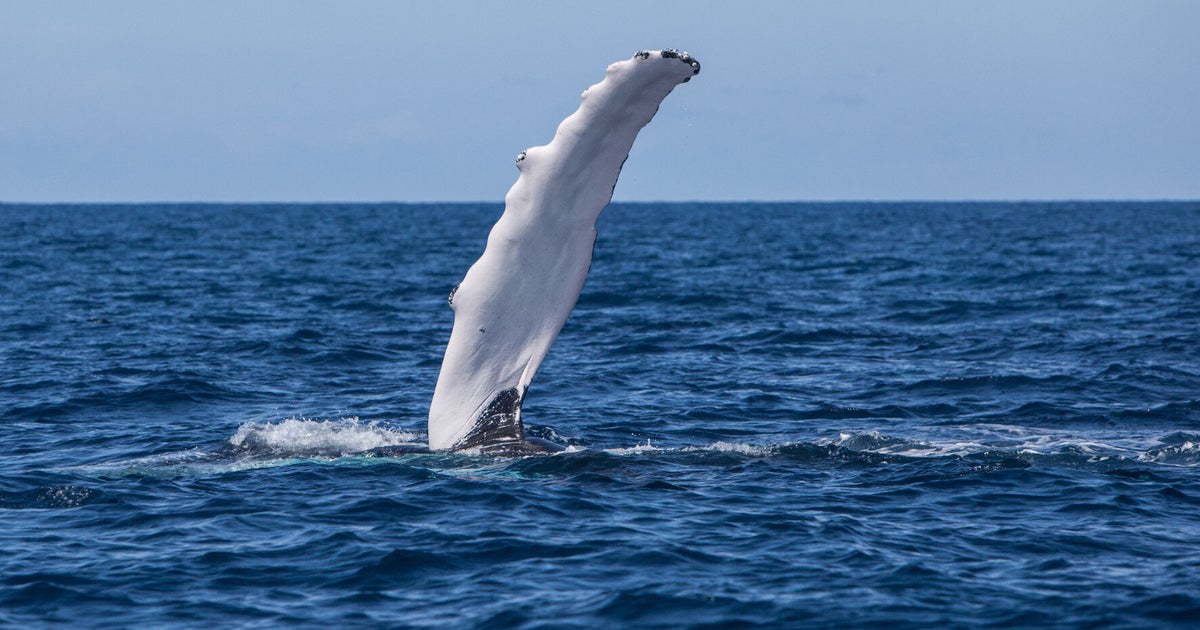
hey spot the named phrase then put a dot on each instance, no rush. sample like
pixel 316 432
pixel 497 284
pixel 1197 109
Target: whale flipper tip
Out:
pixel 671 53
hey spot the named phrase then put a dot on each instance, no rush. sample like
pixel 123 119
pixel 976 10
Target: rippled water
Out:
pixel 779 414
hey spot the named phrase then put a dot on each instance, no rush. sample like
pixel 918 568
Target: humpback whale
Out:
pixel 514 300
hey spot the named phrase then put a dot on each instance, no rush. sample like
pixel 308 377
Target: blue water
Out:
pixel 820 415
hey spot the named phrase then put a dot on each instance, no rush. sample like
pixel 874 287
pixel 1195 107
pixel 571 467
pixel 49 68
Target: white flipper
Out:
pixel 515 299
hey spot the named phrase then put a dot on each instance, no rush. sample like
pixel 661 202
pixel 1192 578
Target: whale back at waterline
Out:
pixel 514 300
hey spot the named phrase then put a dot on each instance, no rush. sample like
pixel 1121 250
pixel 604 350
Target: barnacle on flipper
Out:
pixel 671 53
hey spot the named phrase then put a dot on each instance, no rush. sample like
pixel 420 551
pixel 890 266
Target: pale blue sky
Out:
pixel 398 101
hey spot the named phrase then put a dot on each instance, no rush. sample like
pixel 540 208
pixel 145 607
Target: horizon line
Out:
pixel 624 201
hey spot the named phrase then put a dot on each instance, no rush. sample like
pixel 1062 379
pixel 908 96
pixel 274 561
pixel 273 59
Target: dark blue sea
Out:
pixel 780 415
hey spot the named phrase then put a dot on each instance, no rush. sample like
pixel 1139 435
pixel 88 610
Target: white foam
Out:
pixel 966 441
pixel 1184 454
pixel 332 437
pixel 734 447
pixel 942 441
pixel 634 450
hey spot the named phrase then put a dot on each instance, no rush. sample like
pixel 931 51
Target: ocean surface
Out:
pixel 782 415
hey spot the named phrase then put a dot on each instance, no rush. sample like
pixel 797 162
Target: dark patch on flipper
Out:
pixel 499 422
pixel 499 431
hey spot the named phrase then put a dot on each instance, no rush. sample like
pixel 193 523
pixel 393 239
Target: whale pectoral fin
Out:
pixel 499 422
pixel 515 299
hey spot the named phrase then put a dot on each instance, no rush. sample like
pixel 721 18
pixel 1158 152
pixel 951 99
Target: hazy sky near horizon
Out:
pixel 281 100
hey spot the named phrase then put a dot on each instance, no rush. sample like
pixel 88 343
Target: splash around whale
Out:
pixel 514 300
